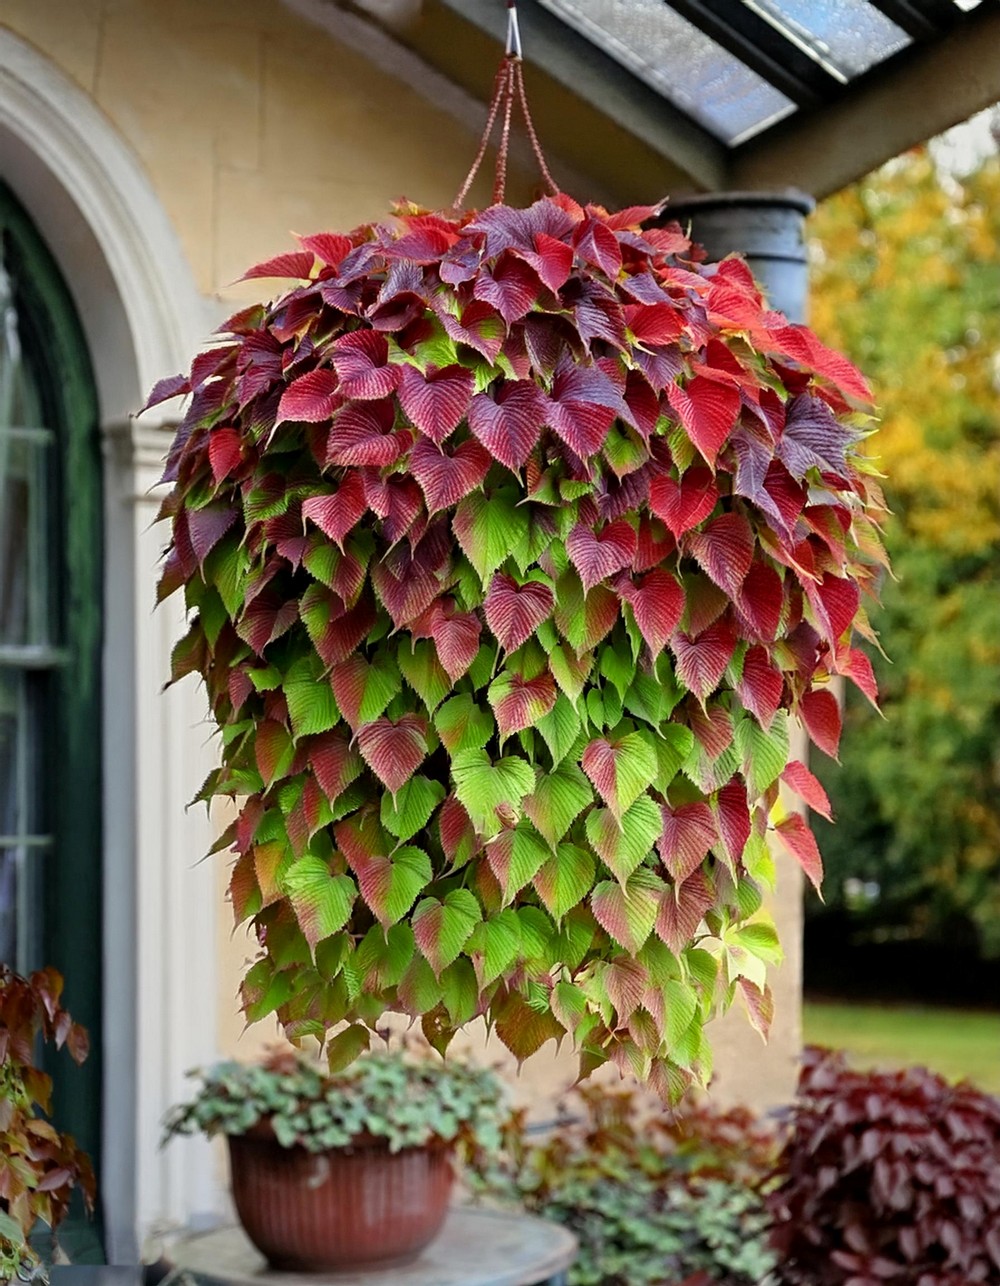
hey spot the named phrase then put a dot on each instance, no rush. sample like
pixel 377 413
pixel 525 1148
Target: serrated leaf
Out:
pixel 363 689
pixel 620 769
pixel 514 857
pixel 442 928
pixel 463 725
pixel 821 715
pixel 628 912
pixel 688 833
pixel 346 1046
pixel 799 779
pixel 558 799
pixel 519 702
pixel 514 612
pixel 460 992
pixel 394 750
pixel 495 944
pixel 764 754
pixel 796 836
pixel 489 528
pixel 424 673
pixel 491 792
pixel 624 843
pixel 321 901
pixel 565 879
pixel 411 809
pixel 672 748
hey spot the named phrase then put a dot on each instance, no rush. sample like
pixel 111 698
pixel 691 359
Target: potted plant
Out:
pixel 512 541
pixel 334 1170
pixel 39 1168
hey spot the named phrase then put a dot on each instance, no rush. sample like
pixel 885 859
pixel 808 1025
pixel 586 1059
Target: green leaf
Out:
pixel 565 880
pixel 463 725
pixel 621 768
pixel 497 942
pixel 759 861
pixel 441 929
pixel 460 992
pixel 624 845
pixel 312 707
pixel 424 673
pixel 490 527
pixel 537 934
pixel 627 912
pixel 514 857
pixel 321 901
pixel 346 1046
pixel 391 885
pixel 412 807
pixel 560 728
pixel 419 991
pixel 763 754
pixel 569 670
pixel 558 799
pixel 484 787
pixel 617 667
pixel 681 1002
pixel 672 749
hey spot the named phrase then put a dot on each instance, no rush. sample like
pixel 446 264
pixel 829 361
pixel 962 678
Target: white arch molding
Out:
pixel 143 316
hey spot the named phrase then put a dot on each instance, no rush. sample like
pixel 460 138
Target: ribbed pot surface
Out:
pixel 316 1212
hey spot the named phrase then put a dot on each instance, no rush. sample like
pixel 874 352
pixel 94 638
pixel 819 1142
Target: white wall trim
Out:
pixel 143 316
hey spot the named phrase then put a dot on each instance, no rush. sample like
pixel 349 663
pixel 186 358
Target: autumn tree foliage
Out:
pixel 906 279
pixel 511 542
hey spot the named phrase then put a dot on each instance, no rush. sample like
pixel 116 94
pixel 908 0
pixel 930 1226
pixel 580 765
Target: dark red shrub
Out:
pixel 889 1177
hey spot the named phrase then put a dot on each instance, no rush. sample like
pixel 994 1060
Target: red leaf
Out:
pixel 514 612
pixel 761 686
pixel 725 551
pixel 654 323
pixel 362 435
pixel 856 666
pixel 328 247
pixel 163 390
pixel 225 452
pixel 479 326
pixel 394 751
pixel 799 779
pixel 312 397
pixel 684 504
pixel 423 244
pixel 688 833
pixel 732 815
pixel 438 401
pixel 788 495
pixel 524 702
pixel 405 587
pixel 552 259
pixel 585 401
pixel 795 834
pixel 835 603
pixel 654 544
pixel 511 287
pixel 598 555
pixel 708 412
pixel 714 729
pixel 761 599
pixel 821 716
pixel 702 661
pixel 760 1006
pixel 458 835
pixel 361 361
pixel 445 479
pixel 334 763
pixel 799 343
pixel 509 426
pixel 207 526
pixel 455 635
pixel 658 603
pixel 597 244
pixel 682 910
pixel 336 515
pixel 296 264
pixel 397 501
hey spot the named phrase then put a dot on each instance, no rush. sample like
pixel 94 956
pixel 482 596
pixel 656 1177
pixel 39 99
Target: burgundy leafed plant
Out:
pixel 511 541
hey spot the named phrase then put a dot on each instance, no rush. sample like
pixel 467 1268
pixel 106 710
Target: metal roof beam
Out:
pixel 898 105
pixel 762 48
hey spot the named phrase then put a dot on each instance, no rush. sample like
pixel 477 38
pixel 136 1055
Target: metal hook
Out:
pixel 513 31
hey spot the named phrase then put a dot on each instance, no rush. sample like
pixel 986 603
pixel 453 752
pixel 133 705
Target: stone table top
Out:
pixel 475 1248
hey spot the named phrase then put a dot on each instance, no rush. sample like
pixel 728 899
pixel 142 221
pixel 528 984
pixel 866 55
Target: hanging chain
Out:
pixel 508 88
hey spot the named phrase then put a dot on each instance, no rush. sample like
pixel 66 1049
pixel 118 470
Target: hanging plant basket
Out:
pixel 512 541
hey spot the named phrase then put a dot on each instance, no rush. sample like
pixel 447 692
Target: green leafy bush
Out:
pixel 39 1168
pixel 653 1198
pixel 408 1102
pixel 511 543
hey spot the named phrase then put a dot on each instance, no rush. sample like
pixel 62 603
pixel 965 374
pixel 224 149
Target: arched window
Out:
pixel 50 647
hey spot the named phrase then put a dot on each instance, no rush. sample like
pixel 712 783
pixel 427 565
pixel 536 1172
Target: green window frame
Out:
pixel 51 589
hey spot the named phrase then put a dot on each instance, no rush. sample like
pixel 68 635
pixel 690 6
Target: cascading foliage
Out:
pixel 511 542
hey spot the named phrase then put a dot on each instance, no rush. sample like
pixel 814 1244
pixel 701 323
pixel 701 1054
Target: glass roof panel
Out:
pixel 845 36
pixel 679 61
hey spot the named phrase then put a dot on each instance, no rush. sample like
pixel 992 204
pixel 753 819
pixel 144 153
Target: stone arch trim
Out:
pixel 97 210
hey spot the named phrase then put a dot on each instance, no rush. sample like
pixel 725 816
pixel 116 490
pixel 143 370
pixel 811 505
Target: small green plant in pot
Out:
pixel 39 1168
pixel 309 1148
pixel 512 541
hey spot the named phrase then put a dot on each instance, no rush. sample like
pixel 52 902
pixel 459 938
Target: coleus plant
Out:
pixel 511 542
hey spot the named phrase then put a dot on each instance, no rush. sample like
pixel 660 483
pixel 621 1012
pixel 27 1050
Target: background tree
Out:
pixel 907 282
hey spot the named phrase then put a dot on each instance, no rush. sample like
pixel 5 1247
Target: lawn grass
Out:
pixel 956 1043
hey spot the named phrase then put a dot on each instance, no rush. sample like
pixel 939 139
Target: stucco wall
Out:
pixel 252 122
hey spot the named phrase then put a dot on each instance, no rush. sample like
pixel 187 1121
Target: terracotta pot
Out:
pixel 320 1212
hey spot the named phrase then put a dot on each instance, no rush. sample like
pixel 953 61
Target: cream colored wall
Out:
pixel 251 123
